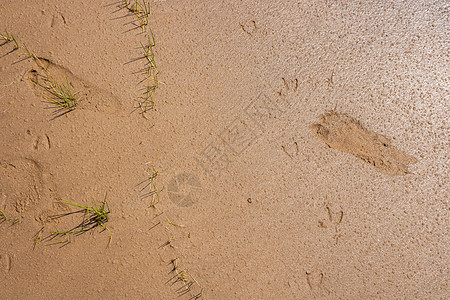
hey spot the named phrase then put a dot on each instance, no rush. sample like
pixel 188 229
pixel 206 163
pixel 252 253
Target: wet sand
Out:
pixel 296 150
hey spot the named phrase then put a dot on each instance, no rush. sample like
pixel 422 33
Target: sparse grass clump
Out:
pixel 186 280
pixel 37 237
pixel 149 188
pixel 94 216
pixel 140 10
pixel 59 94
pixel 7 37
pixel 4 218
pixel 147 102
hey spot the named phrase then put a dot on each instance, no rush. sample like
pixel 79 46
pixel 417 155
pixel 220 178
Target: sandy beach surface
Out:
pixel 224 149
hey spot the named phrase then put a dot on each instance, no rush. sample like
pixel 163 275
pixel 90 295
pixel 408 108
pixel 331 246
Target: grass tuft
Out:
pixel 94 216
pixel 140 10
pixel 146 102
pixel 7 37
pixel 149 188
pixel 186 281
pixel 37 237
pixel 13 221
pixel 3 217
pixel 59 94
